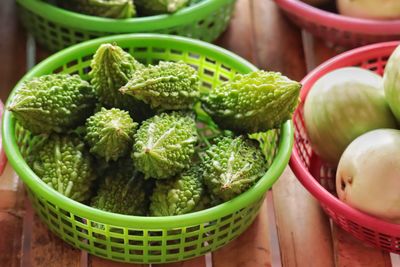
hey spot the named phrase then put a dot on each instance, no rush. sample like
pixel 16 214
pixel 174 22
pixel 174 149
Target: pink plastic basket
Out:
pixel 338 29
pixel 319 179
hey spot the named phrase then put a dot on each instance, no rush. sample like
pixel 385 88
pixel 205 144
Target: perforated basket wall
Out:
pixel 55 28
pixel 339 30
pixel 319 178
pixel 148 239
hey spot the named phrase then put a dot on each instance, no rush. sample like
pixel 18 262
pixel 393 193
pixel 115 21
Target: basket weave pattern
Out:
pixel 319 178
pixel 339 30
pixel 148 239
pixel 56 36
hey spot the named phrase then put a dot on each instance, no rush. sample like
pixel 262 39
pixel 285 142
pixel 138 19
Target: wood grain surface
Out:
pixel 303 228
pixel 291 224
pixel 252 248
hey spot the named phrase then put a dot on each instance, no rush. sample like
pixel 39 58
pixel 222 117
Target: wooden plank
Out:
pixel 41 54
pixel 350 252
pixel 100 262
pixel 324 52
pixel 11 192
pixel 196 262
pixel 303 228
pixel 43 248
pixel 10 241
pixel 12 48
pixel 252 248
pixel 277 42
pixel 239 36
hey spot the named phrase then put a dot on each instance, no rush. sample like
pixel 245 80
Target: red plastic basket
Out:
pixel 318 178
pixel 338 29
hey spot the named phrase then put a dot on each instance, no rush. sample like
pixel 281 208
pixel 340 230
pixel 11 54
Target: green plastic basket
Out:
pixel 148 239
pixel 56 28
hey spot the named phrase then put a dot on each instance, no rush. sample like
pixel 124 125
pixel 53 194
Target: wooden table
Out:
pixel 291 229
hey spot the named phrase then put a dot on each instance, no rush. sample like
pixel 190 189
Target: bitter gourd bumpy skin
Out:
pixel 112 68
pixel 166 86
pixel 109 133
pixel 122 191
pixel 64 163
pixel 232 165
pixel 53 103
pixel 178 195
pixel 116 9
pixel 154 7
pixel 164 145
pixel 253 102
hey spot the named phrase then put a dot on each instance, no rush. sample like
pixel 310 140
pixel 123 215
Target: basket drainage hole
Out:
pixel 209 72
pixel 223 78
pixel 136 242
pixel 135 232
pixel 173 251
pixel 158 50
pixel 116 240
pixel 118 250
pixel 155 252
pixel 192 55
pixel 141 49
pixel 226 226
pixel 193 229
pixel 173 242
pixel 176 52
pixel 194 247
pixel 117 230
pixel 99 245
pixel 174 232
pixel 135 252
pixel 155 233
pixel 191 238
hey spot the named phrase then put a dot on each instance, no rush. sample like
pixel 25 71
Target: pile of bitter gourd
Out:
pixel 127 140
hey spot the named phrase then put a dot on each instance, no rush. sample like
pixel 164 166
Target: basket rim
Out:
pixel 305 177
pixel 99 24
pixel 333 20
pixel 36 184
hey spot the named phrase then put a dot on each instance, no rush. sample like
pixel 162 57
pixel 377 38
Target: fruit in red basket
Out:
pixel 370 9
pixel 112 68
pixel 341 106
pixel 53 103
pixel 231 166
pixel 164 145
pixel 167 86
pixel 368 174
pixel 178 195
pixel 63 163
pixel 109 133
pixel 253 102
pixel 391 79
pixel 154 7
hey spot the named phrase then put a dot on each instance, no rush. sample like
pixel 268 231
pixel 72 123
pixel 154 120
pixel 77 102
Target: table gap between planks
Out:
pixel 291 229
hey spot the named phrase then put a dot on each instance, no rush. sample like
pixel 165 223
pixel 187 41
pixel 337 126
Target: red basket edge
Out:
pixel 345 23
pixel 309 182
